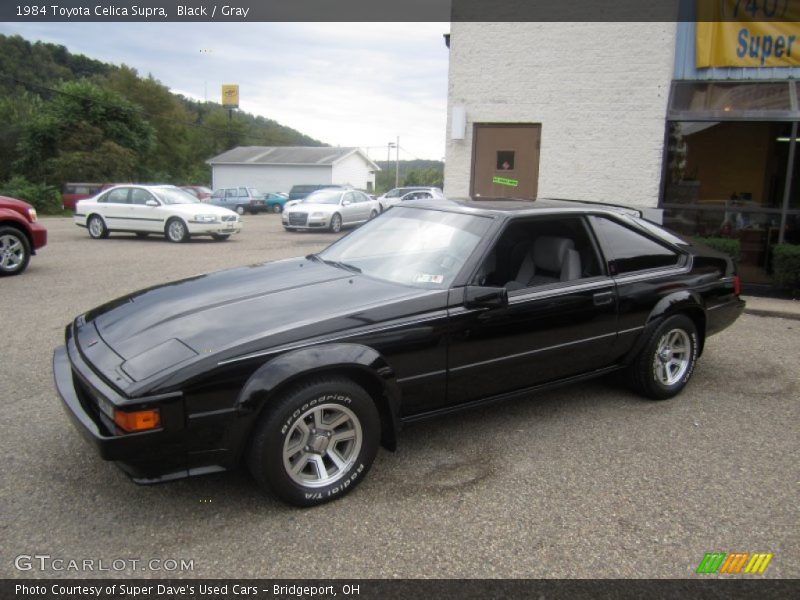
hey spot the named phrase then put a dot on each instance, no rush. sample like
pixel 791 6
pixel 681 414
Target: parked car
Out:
pixel 275 201
pixel 330 209
pixel 298 192
pixel 200 192
pixel 21 235
pixel 163 209
pixel 239 199
pixel 393 196
pixel 72 192
pixel 299 368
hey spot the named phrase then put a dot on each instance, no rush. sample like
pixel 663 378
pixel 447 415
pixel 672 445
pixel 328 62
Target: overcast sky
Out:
pixel 359 84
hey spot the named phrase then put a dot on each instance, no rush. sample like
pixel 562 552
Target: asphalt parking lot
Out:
pixel 586 481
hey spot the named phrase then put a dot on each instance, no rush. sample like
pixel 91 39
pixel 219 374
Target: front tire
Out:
pixel 97 227
pixel 176 231
pixel 336 223
pixel 667 362
pixel 15 251
pixel 316 442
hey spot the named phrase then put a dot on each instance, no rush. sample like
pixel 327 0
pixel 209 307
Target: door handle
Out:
pixel 603 298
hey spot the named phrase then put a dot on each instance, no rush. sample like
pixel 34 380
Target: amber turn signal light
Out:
pixel 138 420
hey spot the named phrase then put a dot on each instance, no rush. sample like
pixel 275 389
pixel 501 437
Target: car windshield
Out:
pixel 416 247
pixel 323 197
pixel 174 196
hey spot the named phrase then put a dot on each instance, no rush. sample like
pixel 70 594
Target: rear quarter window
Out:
pixel 629 251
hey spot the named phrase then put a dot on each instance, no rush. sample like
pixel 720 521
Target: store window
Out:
pixel 728 179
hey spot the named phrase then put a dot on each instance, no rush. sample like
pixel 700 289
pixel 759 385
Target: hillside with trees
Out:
pixel 68 118
pixel 412 172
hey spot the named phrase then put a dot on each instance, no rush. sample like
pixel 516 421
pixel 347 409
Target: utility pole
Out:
pixel 389 146
pixel 397 165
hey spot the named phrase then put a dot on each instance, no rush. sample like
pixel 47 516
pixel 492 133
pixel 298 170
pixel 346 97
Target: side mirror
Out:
pixel 151 203
pixel 476 296
pixel 345 202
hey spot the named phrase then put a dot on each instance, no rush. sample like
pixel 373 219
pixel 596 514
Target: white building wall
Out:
pixel 355 171
pixel 600 91
pixel 268 178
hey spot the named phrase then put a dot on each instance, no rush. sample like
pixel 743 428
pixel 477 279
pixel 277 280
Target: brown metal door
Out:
pixel 505 160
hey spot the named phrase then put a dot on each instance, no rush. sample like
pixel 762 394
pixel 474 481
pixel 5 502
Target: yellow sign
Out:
pixel 748 33
pixel 230 95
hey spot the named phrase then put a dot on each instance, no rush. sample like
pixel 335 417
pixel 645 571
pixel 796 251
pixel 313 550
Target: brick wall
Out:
pixel 600 91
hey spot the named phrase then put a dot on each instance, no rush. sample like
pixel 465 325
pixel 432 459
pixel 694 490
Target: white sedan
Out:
pixel 330 209
pixel 163 209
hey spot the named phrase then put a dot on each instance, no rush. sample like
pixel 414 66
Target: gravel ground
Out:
pixel 585 481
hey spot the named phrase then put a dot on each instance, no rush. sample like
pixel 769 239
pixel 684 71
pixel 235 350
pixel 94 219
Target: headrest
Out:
pixel 549 252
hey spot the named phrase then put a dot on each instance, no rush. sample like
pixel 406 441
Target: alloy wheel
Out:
pixel 12 253
pixel 322 445
pixel 673 357
pixel 176 230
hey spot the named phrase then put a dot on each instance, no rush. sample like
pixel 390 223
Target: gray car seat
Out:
pixel 549 260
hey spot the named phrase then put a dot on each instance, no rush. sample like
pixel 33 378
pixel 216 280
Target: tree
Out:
pixel 84 133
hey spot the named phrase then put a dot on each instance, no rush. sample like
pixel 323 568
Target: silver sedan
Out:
pixel 331 210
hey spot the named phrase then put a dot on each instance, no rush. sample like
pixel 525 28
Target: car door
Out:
pixel 364 205
pixel 549 330
pixel 218 198
pixel 141 216
pixel 349 208
pixel 231 198
pixel 114 208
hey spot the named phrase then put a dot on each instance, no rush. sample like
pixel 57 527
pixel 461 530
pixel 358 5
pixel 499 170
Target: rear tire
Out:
pixel 176 231
pixel 667 362
pixel 316 442
pixel 15 251
pixel 97 227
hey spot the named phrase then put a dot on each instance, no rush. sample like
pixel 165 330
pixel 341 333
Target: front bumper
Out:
pixel 223 228
pixel 38 235
pixel 310 223
pixel 147 457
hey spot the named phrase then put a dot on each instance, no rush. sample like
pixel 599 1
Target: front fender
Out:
pixel 365 364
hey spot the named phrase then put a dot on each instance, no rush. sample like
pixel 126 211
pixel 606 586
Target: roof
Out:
pixel 499 206
pixel 288 156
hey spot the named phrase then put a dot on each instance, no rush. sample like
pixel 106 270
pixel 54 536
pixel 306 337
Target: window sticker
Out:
pixel 428 278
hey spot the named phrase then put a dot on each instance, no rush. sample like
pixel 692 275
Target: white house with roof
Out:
pixel 278 168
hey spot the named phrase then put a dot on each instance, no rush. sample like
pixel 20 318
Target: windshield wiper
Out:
pixel 335 263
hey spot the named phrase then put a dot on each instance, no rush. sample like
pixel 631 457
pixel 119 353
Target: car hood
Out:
pixel 228 314
pixel 204 208
pixel 17 205
pixel 305 207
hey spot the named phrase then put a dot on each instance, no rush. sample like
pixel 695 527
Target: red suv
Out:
pixel 20 235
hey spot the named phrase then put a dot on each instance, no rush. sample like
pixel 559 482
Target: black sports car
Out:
pixel 302 367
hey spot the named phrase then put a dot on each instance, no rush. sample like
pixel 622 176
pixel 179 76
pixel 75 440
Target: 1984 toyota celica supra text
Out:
pixel 300 368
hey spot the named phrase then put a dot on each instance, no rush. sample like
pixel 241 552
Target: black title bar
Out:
pixel 394 10
pixel 372 589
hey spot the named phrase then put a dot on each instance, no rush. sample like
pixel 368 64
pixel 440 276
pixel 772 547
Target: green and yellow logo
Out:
pixel 720 562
